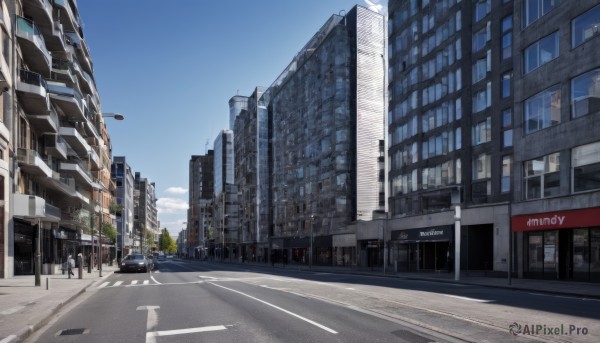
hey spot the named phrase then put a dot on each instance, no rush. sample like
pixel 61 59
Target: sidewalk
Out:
pixel 24 308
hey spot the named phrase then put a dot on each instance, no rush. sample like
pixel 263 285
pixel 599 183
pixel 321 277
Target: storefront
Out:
pixel 423 249
pixel 563 245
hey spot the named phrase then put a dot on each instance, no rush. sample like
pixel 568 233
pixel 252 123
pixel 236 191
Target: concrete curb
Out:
pixel 28 330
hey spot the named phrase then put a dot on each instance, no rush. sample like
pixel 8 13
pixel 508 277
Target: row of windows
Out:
pixel 542 175
pixel 444 174
pixel 544 109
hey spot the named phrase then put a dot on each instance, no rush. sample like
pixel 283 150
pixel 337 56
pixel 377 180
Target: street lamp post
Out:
pixel 312 221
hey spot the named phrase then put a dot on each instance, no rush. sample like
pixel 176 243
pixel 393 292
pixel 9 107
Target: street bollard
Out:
pixel 80 268
pixel 47 284
pixel 89 264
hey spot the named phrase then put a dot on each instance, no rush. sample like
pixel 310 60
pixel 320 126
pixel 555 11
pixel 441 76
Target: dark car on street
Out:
pixel 135 263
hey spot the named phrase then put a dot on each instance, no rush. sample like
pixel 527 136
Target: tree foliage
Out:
pixel 166 243
pixel 109 231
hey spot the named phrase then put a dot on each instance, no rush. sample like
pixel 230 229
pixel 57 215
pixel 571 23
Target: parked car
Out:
pixel 136 263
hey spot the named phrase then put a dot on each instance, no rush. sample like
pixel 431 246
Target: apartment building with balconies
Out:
pixel 62 149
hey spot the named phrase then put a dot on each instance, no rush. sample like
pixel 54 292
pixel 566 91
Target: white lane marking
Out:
pixel 152 320
pixel 207 277
pixel 350 288
pixel 134 282
pixel 104 284
pixel 467 298
pixel 279 308
pixel 565 297
pixel 12 310
pixel 146 282
pixel 118 283
pixel 153 279
pixel 184 331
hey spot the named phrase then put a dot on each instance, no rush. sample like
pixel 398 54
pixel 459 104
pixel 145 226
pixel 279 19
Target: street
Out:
pixel 190 301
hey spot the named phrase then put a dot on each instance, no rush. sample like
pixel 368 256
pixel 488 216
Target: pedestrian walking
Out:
pixel 70 265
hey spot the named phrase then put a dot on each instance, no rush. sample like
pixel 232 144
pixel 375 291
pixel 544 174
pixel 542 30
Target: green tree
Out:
pixel 109 231
pixel 166 243
pixel 149 240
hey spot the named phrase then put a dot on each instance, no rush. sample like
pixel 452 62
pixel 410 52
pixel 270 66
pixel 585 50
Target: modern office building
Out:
pixel 237 104
pixel 55 142
pixel 225 202
pixel 327 144
pixel 145 222
pixel 201 192
pixel 556 200
pixel 122 176
pixel 251 146
pixel 450 131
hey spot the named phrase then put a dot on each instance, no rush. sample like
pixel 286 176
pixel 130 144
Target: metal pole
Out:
pixel 312 220
pixel 91 264
pixel 100 237
pixel 38 255
pixel 385 252
pixel 457 243
pixel 510 245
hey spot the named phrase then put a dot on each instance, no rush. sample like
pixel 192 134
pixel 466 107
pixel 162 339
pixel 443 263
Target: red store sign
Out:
pixel 557 220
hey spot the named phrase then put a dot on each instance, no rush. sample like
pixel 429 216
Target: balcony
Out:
pixel 62 183
pixel 77 171
pixel 68 17
pixel 55 146
pixel 78 47
pixel 32 163
pixel 95 160
pixel 63 71
pixel 69 100
pixel 5 75
pixel 52 31
pixel 45 123
pixel 32 91
pixel 33 46
pixel 29 206
pixel 75 140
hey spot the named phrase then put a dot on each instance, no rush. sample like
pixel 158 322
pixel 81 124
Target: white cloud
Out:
pixel 176 190
pixel 171 205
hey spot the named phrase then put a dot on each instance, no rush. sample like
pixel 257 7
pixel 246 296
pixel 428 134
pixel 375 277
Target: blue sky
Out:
pixel 171 67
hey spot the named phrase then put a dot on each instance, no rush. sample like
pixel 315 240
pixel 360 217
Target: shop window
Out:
pixel 585 94
pixel 586 26
pixel 581 254
pixel 542 177
pixel 586 167
pixel 542 110
pixel 541 52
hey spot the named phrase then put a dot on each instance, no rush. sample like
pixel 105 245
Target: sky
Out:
pixel 170 67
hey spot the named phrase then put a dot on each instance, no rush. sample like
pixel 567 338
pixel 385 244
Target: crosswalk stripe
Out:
pixel 118 283
pixel 146 282
pixel 134 282
pixel 103 285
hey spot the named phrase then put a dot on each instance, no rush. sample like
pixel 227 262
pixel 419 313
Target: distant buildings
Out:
pixel 201 192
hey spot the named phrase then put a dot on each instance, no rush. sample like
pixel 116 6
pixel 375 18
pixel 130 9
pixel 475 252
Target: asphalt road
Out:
pixel 188 301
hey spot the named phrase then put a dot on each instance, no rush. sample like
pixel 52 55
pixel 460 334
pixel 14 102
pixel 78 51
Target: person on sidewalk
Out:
pixel 70 265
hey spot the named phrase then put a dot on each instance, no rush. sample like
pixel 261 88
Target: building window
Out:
pixel 541 52
pixel 482 167
pixel 458 137
pixel 585 26
pixel 585 94
pixel 482 99
pixel 542 178
pixel 479 70
pixel 507 138
pixel 534 9
pixel 482 132
pixel 506 172
pixel 480 38
pixel 506 84
pixel 586 167
pixel 506 27
pixel 506 118
pixel 542 110
pixel 482 8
